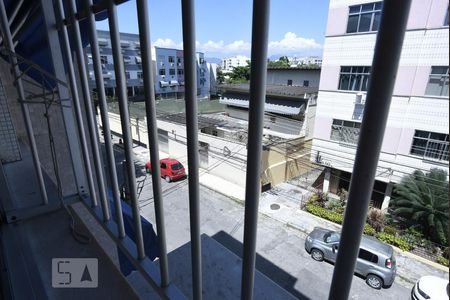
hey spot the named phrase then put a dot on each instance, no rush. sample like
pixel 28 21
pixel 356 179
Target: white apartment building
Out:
pixel 417 133
pixel 235 61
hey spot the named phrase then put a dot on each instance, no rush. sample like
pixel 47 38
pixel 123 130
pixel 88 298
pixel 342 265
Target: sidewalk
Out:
pixel 283 207
pixel 282 203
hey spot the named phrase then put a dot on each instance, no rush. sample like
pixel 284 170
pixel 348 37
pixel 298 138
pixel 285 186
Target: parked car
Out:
pixel 430 288
pixel 375 262
pixel 171 169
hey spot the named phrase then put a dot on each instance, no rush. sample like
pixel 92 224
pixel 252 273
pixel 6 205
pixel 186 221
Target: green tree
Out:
pixel 282 62
pixel 220 76
pixel 240 74
pixel 422 202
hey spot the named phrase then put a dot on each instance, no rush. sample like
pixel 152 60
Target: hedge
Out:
pixel 395 241
pixel 324 213
pixel 442 260
pixel 368 230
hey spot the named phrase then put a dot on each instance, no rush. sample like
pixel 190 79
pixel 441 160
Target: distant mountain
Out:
pixel 213 60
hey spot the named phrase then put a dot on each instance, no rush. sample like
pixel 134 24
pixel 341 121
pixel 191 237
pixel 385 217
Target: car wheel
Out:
pixel 167 178
pixel 317 254
pixel 374 281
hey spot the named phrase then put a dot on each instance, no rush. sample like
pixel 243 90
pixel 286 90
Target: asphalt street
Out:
pixel 280 249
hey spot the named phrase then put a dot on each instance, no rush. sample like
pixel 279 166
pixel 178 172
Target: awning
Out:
pixel 124 44
pixel 281 107
pixel 174 83
pixel 138 59
pixel 164 83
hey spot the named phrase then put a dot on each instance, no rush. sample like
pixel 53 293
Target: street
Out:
pixel 280 249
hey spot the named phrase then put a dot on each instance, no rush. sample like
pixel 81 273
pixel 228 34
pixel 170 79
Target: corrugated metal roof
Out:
pixel 281 107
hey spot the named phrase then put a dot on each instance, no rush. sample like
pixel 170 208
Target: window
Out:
pixel 163 165
pixel 171 59
pixel 354 78
pixel 162 72
pixel 364 18
pixel 180 71
pixel 345 131
pixel 127 75
pixel 367 255
pixel 161 59
pixel 171 71
pixel 446 18
pixel 139 75
pixel 289 82
pixel 103 59
pixel 438 82
pixel 332 237
pixel 305 82
pixel 430 145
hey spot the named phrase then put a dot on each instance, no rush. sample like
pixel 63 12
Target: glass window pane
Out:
pixel 423 134
pixel 348 124
pixel 355 9
pixel 367 7
pixel 364 22
pixel 376 21
pixel 437 136
pixel 378 5
pixel 439 70
pixel 344 81
pixel 352 23
pixel 418 147
pixel 355 83
pixel 434 87
pixel 445 88
pixel 365 83
pixel 337 122
pixel 345 69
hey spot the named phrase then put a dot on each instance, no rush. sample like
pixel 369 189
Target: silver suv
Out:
pixel 376 261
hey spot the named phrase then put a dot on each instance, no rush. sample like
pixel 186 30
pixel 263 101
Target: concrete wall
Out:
pixel 229 167
pixel 41 132
pixel 298 76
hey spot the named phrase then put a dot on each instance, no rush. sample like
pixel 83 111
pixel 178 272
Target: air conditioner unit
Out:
pixel 360 98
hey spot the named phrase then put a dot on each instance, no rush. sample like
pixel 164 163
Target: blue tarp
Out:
pixel 150 238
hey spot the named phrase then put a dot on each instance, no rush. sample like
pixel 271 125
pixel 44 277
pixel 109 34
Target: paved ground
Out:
pixel 280 248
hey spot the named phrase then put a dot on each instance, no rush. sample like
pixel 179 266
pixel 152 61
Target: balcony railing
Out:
pixel 384 68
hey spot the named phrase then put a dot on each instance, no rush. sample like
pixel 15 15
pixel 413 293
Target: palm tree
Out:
pixel 422 201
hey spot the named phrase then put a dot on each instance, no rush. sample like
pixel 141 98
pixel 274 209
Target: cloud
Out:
pixel 292 43
pixel 167 43
pixel 289 44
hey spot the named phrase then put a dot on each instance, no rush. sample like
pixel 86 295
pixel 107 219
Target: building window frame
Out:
pixel 172 72
pixel 345 131
pixel 354 78
pixel 162 72
pixel 430 145
pixel 127 75
pixel 438 82
pixel 140 75
pixel 357 17
pixel 171 59
pixel 104 59
pixel 180 71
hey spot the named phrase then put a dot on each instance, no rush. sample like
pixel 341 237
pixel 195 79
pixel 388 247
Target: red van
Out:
pixel 171 169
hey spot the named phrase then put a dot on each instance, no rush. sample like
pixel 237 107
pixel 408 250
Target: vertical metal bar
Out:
pixel 388 48
pixel 125 122
pixel 56 59
pixel 149 90
pixel 76 103
pixel 25 112
pixel 88 104
pixel 104 115
pixel 190 69
pixel 260 31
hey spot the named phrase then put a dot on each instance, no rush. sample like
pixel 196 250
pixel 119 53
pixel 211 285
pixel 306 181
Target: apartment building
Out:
pixel 417 132
pixel 168 68
pixel 131 57
pixel 235 61
pixel 307 60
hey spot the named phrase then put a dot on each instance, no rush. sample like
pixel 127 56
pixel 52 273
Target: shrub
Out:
pixel 412 236
pixel 442 260
pixel 369 230
pixel 375 218
pixel 334 205
pixel 343 195
pixel 324 213
pixel 390 230
pixel 395 241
